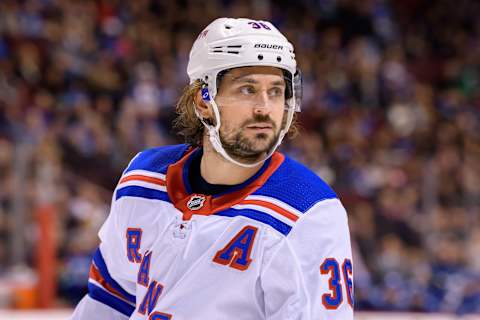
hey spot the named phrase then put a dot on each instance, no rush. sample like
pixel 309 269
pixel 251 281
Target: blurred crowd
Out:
pixel 390 118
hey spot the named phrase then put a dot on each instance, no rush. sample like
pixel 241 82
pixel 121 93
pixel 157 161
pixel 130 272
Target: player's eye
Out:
pixel 276 92
pixel 247 90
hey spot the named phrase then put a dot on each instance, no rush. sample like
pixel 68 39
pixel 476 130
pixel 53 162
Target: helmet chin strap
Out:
pixel 214 136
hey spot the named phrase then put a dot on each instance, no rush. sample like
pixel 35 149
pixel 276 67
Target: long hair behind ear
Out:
pixel 187 123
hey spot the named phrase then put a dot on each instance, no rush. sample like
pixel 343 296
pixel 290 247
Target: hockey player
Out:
pixel 224 227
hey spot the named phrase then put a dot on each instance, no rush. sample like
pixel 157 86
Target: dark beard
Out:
pixel 241 148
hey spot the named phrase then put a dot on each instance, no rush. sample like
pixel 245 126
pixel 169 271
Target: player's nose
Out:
pixel 262 104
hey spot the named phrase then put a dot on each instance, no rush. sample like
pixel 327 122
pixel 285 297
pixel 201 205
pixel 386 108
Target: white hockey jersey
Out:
pixel 275 247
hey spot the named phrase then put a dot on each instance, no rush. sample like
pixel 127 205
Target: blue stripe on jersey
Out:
pixel 110 300
pixel 265 218
pixel 102 267
pixel 141 192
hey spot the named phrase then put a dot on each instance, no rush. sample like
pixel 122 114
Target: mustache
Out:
pixel 260 118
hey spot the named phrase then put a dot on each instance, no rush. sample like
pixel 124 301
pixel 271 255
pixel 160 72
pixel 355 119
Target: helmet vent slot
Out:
pixel 226 49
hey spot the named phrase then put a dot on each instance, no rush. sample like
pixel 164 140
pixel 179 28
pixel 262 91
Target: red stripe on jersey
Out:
pixel 273 207
pixel 140 177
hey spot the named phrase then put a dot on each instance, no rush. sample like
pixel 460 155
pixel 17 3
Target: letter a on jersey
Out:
pixel 236 253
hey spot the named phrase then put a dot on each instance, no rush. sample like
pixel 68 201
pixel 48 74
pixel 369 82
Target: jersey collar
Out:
pixel 191 203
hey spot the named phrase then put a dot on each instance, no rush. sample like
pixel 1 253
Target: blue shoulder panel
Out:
pixel 157 159
pixel 296 185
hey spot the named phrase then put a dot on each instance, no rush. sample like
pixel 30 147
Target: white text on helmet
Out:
pixel 268 46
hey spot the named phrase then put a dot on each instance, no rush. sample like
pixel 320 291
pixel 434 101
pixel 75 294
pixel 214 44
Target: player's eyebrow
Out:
pixel 246 78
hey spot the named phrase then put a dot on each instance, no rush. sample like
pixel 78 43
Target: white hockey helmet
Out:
pixel 228 43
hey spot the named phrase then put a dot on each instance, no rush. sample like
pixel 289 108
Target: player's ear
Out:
pixel 203 108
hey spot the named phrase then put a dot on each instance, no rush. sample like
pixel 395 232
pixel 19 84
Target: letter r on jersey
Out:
pixel 237 252
pixel 134 238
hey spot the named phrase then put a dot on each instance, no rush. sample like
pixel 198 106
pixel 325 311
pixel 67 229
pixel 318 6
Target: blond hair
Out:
pixel 187 123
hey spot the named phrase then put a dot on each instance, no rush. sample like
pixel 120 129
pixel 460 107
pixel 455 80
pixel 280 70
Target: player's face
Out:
pixel 251 101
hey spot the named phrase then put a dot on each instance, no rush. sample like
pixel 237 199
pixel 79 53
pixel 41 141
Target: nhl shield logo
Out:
pixel 196 202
